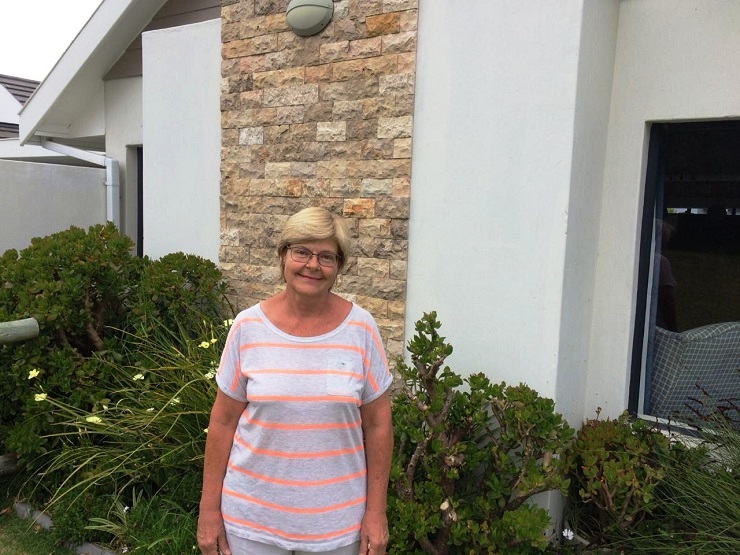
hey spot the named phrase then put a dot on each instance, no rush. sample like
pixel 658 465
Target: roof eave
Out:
pixel 65 92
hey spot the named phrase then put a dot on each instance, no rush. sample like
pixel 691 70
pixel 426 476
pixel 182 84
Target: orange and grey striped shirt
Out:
pixel 296 476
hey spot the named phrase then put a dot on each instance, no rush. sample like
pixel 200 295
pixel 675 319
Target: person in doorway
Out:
pixel 299 442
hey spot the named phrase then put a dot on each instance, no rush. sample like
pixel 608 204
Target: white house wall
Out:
pixel 496 91
pixel 676 60
pixel 9 107
pixel 123 125
pixel 41 199
pixel 595 70
pixel 182 129
pixel 91 121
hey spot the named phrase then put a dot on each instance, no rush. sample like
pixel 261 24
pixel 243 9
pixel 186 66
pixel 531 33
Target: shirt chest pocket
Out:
pixel 344 377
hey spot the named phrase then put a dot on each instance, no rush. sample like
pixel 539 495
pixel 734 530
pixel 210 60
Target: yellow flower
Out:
pixel 39 397
pixel 205 430
pixel 139 377
pixel 150 409
pixel 204 344
pixel 33 373
pixel 213 339
pixel 175 401
pixel 93 419
pixel 228 323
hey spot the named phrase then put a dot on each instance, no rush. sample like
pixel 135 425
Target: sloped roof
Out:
pixel 109 36
pixel 20 88
pixel 78 75
pixel 14 92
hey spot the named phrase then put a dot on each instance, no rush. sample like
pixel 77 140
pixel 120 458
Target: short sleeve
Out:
pixel 378 376
pixel 229 377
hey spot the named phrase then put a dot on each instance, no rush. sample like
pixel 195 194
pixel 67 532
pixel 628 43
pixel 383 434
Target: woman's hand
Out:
pixel 376 426
pixel 224 419
pixel 211 534
pixel 374 533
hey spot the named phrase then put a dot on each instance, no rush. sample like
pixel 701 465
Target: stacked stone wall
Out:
pixel 319 121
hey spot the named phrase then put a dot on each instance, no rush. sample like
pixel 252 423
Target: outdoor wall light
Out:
pixel 308 17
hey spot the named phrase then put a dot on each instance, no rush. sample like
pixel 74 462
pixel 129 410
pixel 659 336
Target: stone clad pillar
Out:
pixel 324 120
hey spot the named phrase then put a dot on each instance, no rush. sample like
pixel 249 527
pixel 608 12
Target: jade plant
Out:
pixel 469 457
pixel 617 464
pixel 90 296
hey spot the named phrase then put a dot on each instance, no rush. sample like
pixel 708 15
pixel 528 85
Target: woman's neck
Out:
pixel 306 316
pixel 305 307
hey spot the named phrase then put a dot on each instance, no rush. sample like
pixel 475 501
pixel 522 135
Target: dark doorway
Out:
pixel 140 201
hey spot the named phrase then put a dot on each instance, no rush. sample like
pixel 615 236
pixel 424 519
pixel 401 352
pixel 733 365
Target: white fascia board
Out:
pixel 65 92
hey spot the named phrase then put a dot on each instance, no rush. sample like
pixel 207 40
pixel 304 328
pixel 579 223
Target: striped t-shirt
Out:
pixel 296 476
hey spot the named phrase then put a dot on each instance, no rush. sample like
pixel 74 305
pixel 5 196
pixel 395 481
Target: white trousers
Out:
pixel 240 546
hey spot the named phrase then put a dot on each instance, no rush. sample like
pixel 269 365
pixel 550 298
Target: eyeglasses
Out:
pixel 326 258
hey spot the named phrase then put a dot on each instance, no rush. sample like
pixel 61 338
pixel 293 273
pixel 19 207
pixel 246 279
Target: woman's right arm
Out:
pixel 221 427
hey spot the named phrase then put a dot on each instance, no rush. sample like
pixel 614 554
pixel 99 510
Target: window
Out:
pixel 687 330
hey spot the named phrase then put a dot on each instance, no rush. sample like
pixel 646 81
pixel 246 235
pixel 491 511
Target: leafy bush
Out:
pixel 71 517
pixel 697 505
pixel 468 461
pixel 150 525
pixel 141 450
pixel 616 466
pixel 90 297
pixel 74 283
pixel 178 290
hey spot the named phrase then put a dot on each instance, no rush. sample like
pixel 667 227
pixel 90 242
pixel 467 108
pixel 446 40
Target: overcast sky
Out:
pixel 35 33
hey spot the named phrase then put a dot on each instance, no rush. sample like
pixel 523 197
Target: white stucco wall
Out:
pixel 90 122
pixel 9 107
pixel 676 60
pixel 591 121
pixel 182 139
pixel 40 199
pixel 496 89
pixel 123 133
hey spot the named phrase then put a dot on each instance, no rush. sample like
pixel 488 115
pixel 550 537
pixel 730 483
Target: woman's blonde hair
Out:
pixel 316 224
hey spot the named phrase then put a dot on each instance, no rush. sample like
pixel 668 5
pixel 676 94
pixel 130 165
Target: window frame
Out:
pixel 654 185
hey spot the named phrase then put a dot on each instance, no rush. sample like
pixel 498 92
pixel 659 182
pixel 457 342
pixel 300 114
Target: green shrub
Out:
pixel 75 284
pixel 616 466
pixel 697 504
pixel 71 518
pixel 90 297
pixel 141 450
pixel 178 290
pixel 153 525
pixel 468 460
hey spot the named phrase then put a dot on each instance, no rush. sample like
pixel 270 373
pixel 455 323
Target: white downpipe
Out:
pixel 112 176
pixel 112 192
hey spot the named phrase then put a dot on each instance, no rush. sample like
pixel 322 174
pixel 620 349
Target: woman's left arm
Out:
pixel 378 431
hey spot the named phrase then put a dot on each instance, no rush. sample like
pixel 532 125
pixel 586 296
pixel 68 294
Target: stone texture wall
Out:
pixel 323 120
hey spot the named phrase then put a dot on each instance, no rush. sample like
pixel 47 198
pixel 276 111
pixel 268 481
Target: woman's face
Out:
pixel 310 278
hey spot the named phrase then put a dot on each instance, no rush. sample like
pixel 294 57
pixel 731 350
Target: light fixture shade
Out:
pixel 308 17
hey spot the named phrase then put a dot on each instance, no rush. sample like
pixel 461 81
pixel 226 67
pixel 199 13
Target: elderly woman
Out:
pixel 299 440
